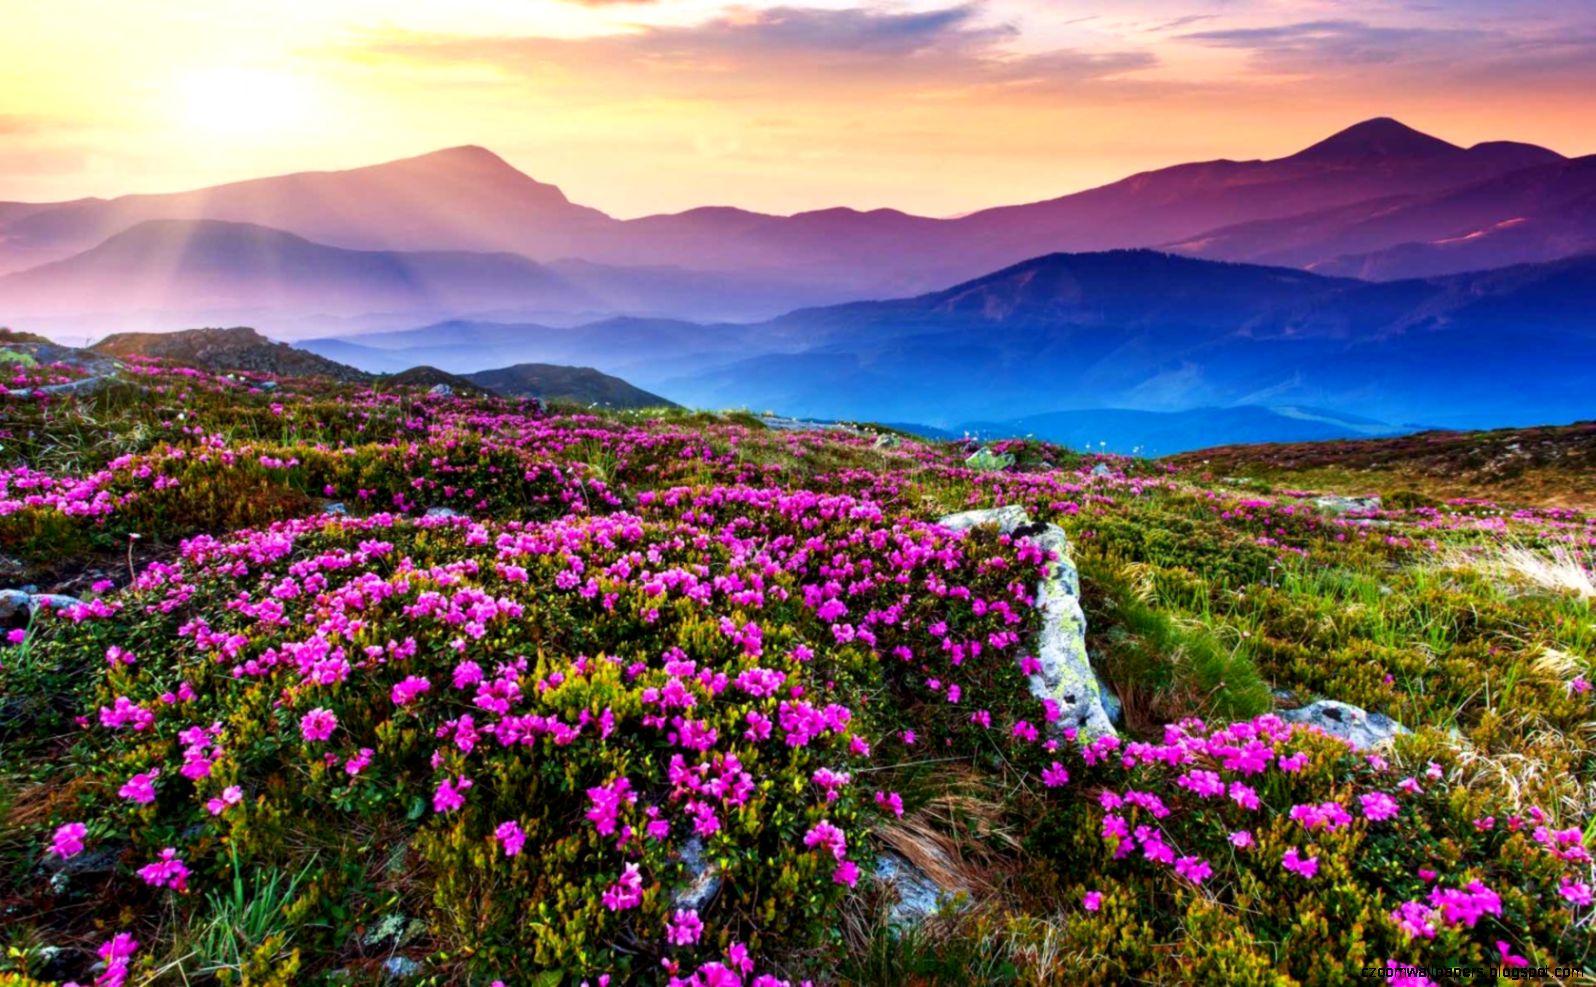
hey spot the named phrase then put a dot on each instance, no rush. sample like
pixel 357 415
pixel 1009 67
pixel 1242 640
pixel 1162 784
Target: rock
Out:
pixel 986 459
pixel 1333 504
pixel 1361 728
pixel 1066 676
pixel 1112 706
pixel 85 385
pixel 401 968
pixel 704 881
pixel 267 385
pixel 442 512
pixel 15 601
pixel 915 897
pixel 1101 469
pixel 441 391
pixel 888 442
pixel 336 507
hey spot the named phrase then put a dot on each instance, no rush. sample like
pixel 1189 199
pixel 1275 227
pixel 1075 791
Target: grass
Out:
pixel 1469 621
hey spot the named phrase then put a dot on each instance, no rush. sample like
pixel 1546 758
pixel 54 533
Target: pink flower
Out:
pixel 1305 867
pixel 1092 900
pixel 684 928
pixel 405 692
pixel 450 794
pixel 1241 839
pixel 167 872
pixel 891 801
pixel 357 764
pixel 231 795
pixel 823 833
pixel 1505 951
pixel 68 840
pixel 1294 763
pixel 1055 776
pixel 141 787
pixel 1576 892
pixel 626 892
pixel 318 724
pixel 1378 806
pixel 510 836
pixel 847 873
pixel 1193 869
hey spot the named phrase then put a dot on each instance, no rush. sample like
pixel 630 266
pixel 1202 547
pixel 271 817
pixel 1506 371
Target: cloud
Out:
pixel 791 51
pixel 1487 55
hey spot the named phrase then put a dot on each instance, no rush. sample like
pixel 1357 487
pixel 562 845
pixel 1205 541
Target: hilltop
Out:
pixel 364 685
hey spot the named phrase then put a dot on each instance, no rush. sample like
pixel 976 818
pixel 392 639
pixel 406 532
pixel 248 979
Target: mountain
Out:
pixel 725 263
pixel 199 266
pixel 1528 215
pixel 583 385
pixel 462 198
pixel 223 350
pixel 1163 433
pixel 1139 330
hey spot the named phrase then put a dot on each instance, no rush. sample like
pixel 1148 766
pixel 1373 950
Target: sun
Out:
pixel 239 101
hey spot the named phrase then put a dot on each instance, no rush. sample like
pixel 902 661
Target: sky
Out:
pixel 644 106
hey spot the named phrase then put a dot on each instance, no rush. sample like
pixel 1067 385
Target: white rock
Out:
pixel 1066 676
pixel 1351 723
pixel 915 897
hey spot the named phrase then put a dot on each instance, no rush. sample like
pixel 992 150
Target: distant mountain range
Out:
pixel 430 237
pixel 1381 275
pixel 242 348
pixel 1133 330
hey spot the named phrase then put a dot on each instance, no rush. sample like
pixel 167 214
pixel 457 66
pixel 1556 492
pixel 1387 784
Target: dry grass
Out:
pixel 1557 570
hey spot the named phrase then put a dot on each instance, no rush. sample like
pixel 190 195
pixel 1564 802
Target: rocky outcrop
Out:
pixel 1066 676
pixel 16 602
pixel 1334 504
pixel 1357 726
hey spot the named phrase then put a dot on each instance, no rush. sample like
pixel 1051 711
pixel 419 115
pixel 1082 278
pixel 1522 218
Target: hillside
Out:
pixel 550 382
pixel 222 350
pixel 1550 466
pixel 389 674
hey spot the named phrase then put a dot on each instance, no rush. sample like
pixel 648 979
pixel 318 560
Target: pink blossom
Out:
pixel 318 724
pixel 68 840
pixel 847 873
pixel 626 892
pixel 1378 806
pixel 450 794
pixel 1305 867
pixel 141 787
pixel 167 872
pixel 510 836
pixel 231 795
pixel 1092 900
pixel 1055 776
pixel 684 928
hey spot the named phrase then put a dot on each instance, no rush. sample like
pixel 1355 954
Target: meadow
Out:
pixel 372 685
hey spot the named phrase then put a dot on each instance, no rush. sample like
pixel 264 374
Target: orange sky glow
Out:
pixel 641 106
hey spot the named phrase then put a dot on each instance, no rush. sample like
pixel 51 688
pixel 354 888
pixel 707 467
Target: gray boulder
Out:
pixel 914 896
pixel 703 877
pixel 1334 504
pixel 442 512
pixel 15 601
pixel 989 460
pixel 1066 677
pixel 441 390
pixel 1357 726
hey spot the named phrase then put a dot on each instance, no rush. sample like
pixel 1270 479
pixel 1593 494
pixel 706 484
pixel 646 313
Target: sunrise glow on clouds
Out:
pixel 636 106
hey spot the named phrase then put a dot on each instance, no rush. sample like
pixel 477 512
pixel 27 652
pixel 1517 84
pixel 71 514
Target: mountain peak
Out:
pixel 1381 137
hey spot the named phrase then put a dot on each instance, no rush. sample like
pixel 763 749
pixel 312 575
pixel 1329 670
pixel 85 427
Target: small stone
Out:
pixel 1101 469
pixel 915 897
pixel 989 460
pixel 704 879
pixel 442 512
pixel 1351 723
pixel 401 968
pixel 1333 504
pixel 336 507
pixel 441 391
